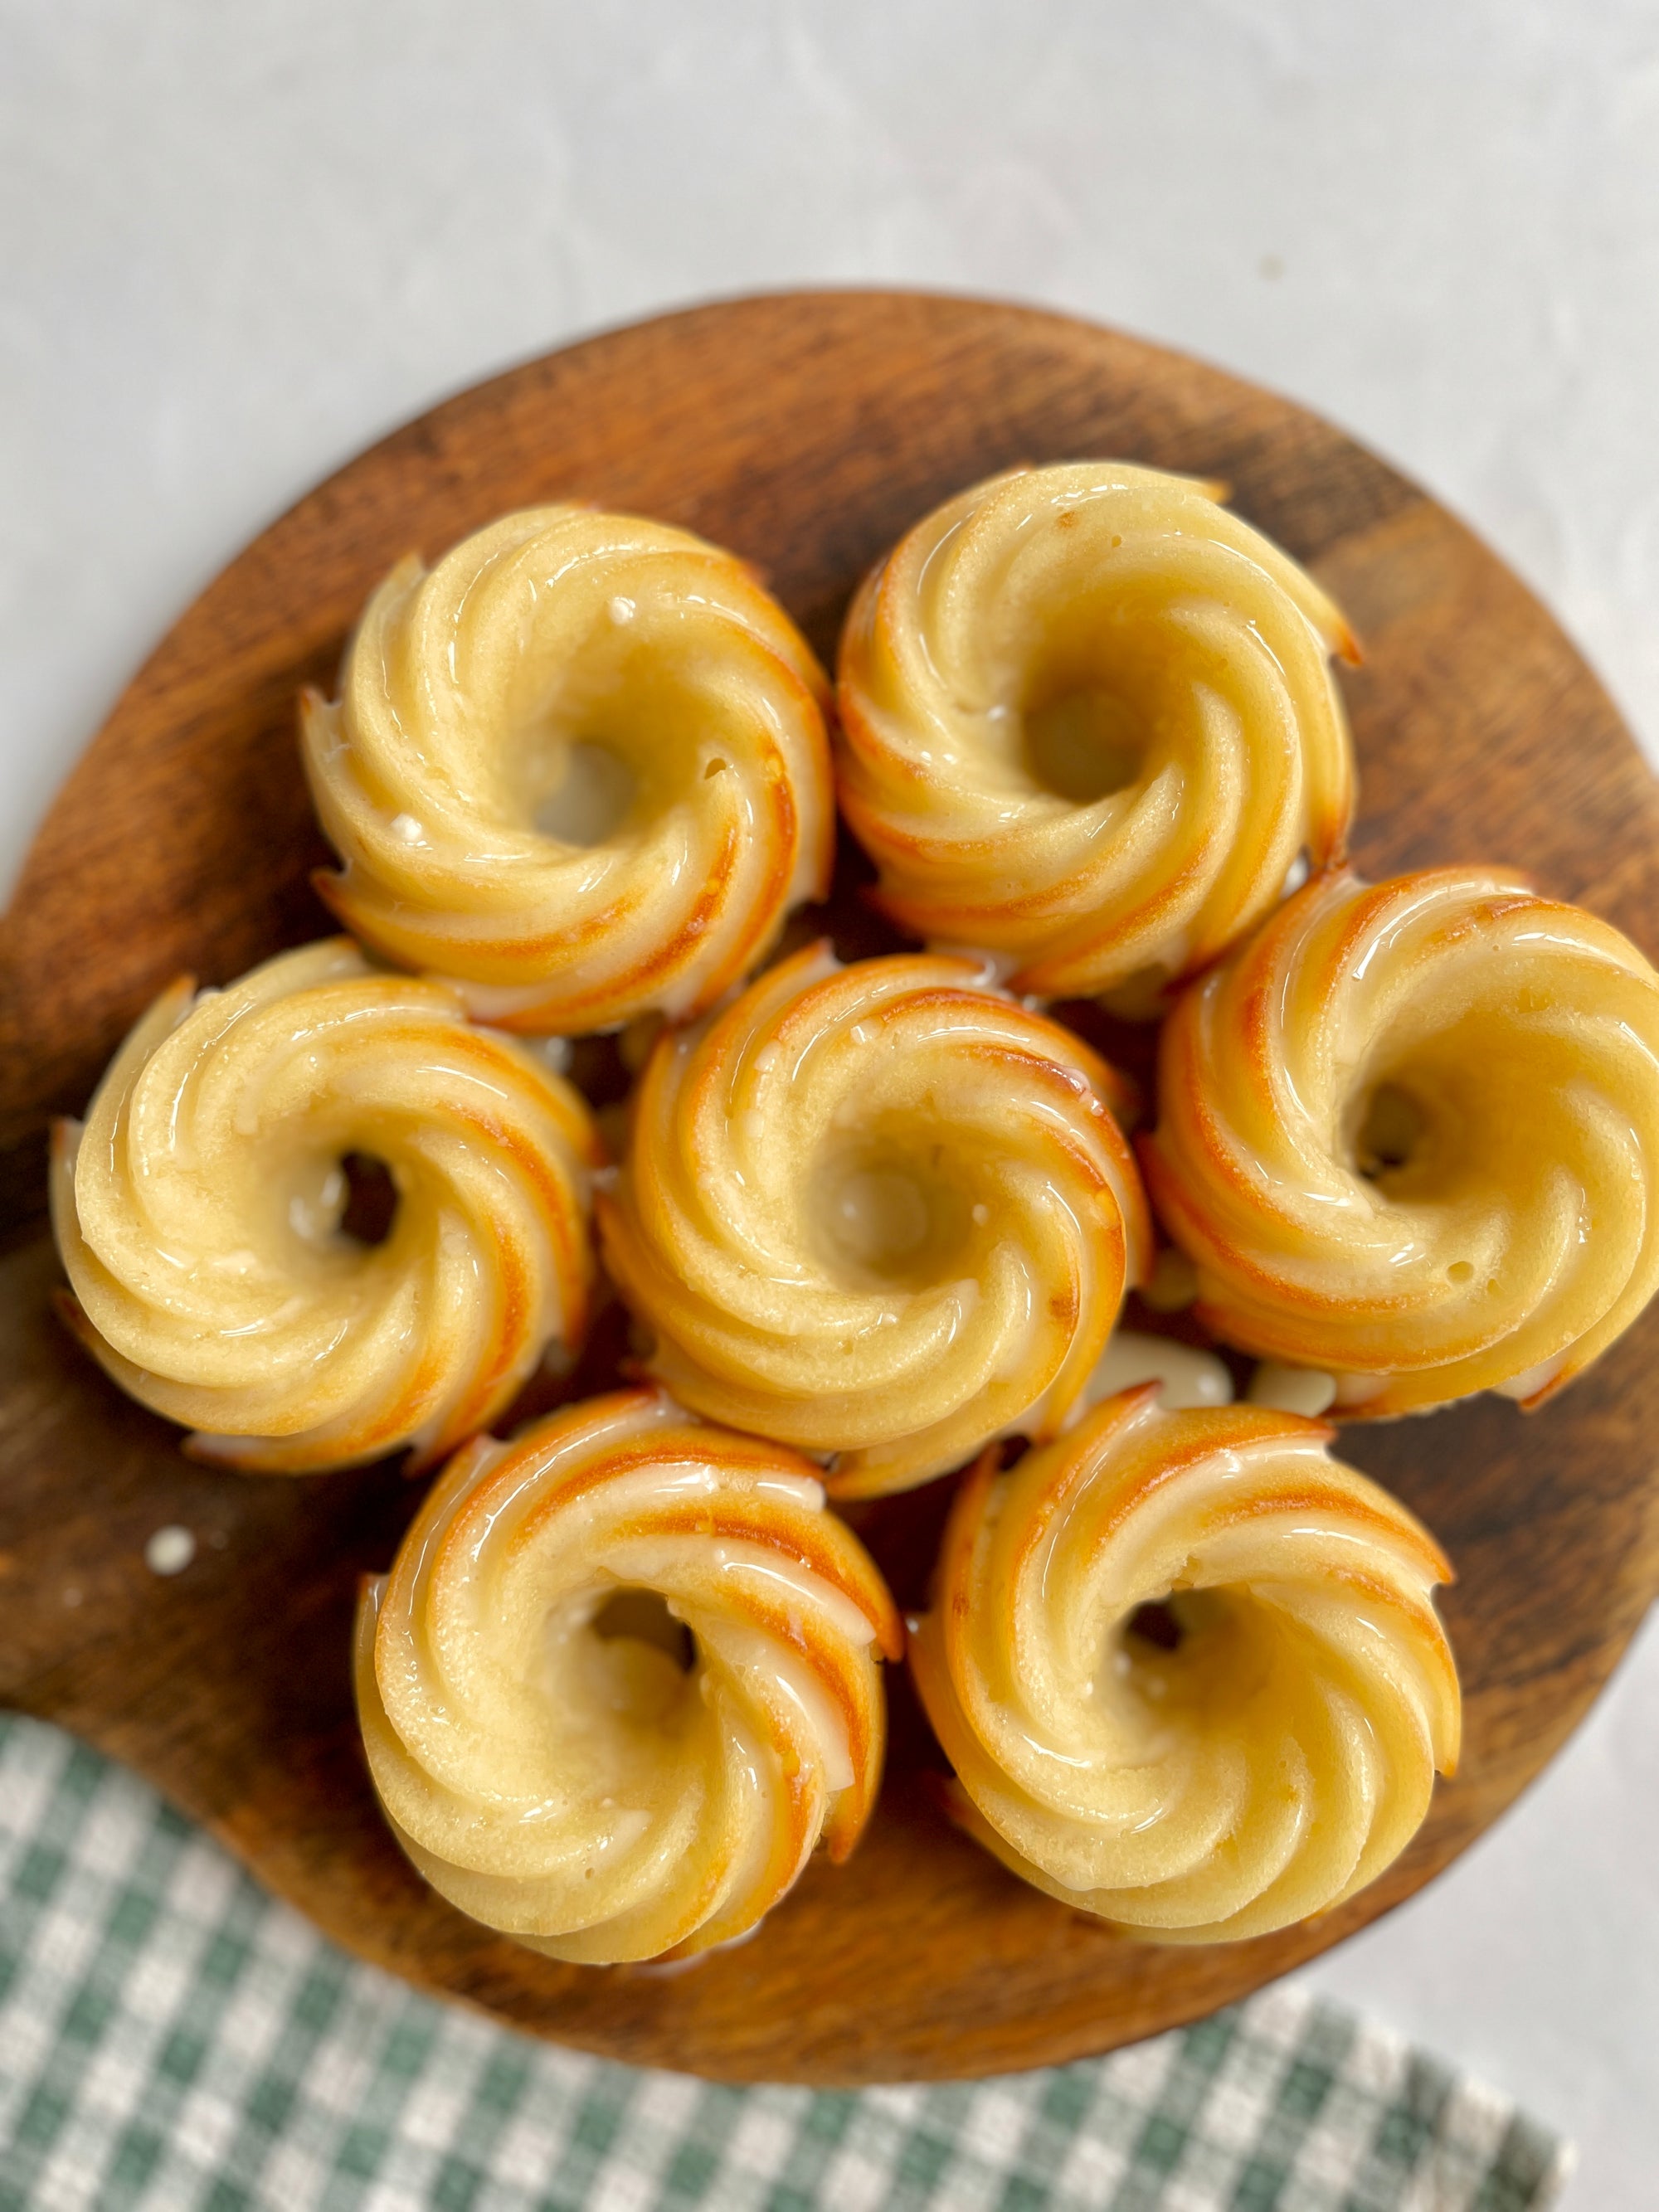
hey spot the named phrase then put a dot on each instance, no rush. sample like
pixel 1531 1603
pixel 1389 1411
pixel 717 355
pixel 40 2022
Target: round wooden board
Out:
pixel 806 432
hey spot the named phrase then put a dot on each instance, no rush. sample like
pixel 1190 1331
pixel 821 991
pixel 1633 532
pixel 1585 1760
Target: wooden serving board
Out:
pixel 806 432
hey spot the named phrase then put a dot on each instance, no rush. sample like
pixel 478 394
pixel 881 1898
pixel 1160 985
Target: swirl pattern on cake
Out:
pixel 580 767
pixel 879 1211
pixel 1088 723
pixel 549 1759
pixel 1259 1745
pixel 199 1213
pixel 1409 1135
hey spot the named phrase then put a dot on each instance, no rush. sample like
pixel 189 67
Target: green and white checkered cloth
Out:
pixel 171 2038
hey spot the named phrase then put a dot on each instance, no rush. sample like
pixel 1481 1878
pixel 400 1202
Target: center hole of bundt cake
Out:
pixel 636 1664
pixel 1390 1134
pixel 886 1219
pixel 1166 1649
pixel 588 795
pixel 1085 745
pixel 1142 1653
pixel 370 1205
pixel 643 1615
pixel 354 1198
pixel 1156 1625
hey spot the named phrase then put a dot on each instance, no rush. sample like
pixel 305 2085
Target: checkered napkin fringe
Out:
pixel 171 2038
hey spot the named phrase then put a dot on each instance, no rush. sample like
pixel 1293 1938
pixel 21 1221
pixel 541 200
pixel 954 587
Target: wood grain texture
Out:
pixel 806 432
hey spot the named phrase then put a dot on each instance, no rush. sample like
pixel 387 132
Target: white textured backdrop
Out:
pixel 237 242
